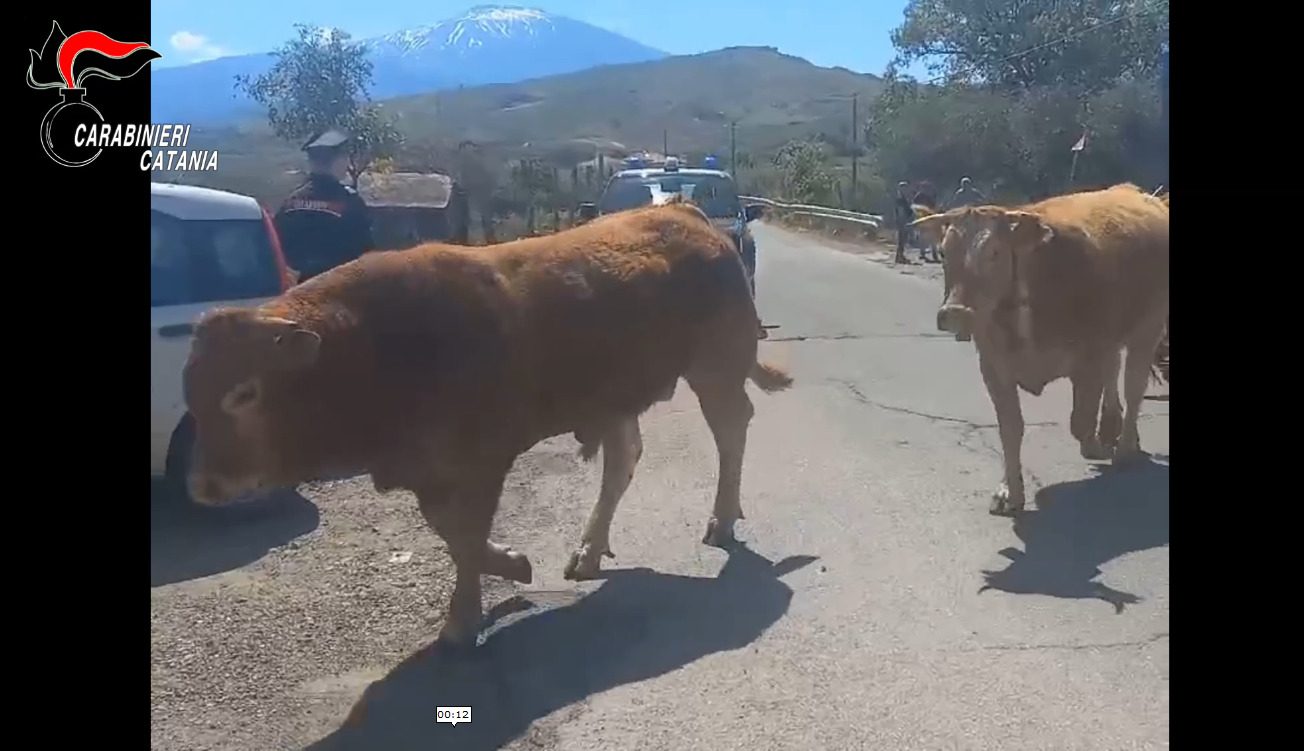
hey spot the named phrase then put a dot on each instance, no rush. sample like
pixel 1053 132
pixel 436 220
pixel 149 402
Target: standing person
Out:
pixel 904 215
pixel 925 201
pixel 324 223
pixel 967 195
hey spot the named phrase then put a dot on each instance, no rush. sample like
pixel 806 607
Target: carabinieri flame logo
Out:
pixel 64 63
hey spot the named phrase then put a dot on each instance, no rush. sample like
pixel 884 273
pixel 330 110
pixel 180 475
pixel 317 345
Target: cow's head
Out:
pixel 238 360
pixel 979 246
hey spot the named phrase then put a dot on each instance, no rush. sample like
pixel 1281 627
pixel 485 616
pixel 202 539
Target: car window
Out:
pixel 715 195
pixel 625 193
pixel 209 261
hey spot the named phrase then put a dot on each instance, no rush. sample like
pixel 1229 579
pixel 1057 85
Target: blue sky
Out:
pixel 851 33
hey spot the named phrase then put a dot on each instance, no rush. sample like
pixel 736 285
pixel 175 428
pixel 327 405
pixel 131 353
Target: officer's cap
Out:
pixel 329 139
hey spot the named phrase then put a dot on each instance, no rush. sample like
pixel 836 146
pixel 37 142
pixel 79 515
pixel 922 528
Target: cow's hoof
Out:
pixel 1109 443
pixel 1128 451
pixel 1005 503
pixel 586 563
pixel 719 533
pixel 1093 450
pixel 459 637
pixel 1123 458
pixel 518 568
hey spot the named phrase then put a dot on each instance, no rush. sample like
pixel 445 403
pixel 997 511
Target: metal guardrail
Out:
pixel 823 212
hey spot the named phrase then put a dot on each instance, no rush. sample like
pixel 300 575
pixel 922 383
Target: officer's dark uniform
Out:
pixel 905 214
pixel 324 222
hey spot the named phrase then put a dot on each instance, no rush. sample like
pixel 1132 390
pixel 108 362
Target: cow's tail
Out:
pixel 589 444
pixel 1159 368
pixel 769 378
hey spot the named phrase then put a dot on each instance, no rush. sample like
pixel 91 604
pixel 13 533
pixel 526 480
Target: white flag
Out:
pixel 1082 143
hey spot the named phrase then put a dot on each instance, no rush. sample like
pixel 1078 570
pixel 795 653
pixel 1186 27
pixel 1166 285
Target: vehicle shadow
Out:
pixel 637 625
pixel 1079 526
pixel 187 542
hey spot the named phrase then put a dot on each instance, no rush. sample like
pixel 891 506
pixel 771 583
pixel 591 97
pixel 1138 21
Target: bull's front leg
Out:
pixel 463 515
pixel 1009 497
pixel 1111 407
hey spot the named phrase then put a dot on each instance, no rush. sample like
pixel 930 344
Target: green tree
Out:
pixel 1023 80
pixel 320 80
pixel 1087 45
pixel 804 172
pixel 534 187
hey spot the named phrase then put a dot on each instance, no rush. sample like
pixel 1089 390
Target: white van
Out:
pixel 208 248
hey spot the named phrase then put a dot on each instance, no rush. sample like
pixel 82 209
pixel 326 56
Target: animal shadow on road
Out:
pixel 188 542
pixel 1079 526
pixel 637 625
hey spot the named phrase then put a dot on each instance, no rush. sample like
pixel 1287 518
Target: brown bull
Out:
pixel 433 368
pixel 1058 289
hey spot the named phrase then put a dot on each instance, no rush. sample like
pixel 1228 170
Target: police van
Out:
pixel 642 183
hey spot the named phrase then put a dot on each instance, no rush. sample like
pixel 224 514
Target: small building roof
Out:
pixel 406 189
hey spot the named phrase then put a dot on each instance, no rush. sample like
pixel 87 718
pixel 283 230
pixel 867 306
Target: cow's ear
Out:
pixel 297 348
pixel 294 346
pixel 1029 227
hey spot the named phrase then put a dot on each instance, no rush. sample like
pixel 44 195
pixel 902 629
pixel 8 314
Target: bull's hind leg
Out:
pixel 1088 383
pixel 463 517
pixel 622 447
pixel 728 411
pixel 1136 376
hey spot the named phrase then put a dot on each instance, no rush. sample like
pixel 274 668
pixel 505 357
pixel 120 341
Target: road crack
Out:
pixel 970 424
pixel 1072 647
pixel 841 337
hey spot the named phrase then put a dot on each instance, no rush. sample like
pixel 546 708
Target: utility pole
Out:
pixel 733 149
pixel 855 152
pixel 665 142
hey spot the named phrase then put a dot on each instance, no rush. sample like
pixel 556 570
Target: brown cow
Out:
pixel 922 210
pixel 1057 289
pixel 433 368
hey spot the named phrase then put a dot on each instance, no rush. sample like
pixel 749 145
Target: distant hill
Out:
pixel 486 44
pixel 772 96
pixel 624 108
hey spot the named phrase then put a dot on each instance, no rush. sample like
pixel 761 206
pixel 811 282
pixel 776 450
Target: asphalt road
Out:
pixel 853 617
pixel 875 604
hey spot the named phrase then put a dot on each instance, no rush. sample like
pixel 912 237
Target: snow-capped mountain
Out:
pixel 486 44
pixel 470 31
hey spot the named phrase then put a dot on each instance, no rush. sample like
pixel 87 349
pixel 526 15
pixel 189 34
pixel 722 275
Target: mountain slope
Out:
pixel 625 108
pixel 487 44
pixel 772 96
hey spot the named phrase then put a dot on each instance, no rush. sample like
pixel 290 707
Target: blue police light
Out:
pixel 710 162
pixel 633 162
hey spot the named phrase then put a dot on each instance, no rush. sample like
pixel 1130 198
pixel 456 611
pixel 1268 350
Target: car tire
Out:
pixel 177 466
